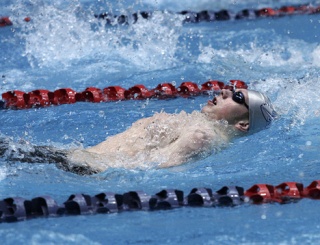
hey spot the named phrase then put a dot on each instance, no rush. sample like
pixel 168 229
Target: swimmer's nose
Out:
pixel 225 93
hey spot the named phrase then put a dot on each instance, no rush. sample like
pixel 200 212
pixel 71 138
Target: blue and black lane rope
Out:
pixel 14 209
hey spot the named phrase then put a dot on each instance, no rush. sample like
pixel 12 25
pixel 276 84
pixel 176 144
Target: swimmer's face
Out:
pixel 223 107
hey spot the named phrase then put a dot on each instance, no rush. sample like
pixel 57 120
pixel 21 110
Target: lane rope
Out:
pixel 18 99
pixel 222 15
pixel 202 16
pixel 14 209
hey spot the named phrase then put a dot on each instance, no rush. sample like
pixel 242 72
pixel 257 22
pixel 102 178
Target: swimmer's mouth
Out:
pixel 214 100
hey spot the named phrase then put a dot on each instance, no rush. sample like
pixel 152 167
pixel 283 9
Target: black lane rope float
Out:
pixel 17 99
pixel 202 16
pixel 14 209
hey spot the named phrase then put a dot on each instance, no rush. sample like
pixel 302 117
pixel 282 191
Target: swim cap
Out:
pixel 261 111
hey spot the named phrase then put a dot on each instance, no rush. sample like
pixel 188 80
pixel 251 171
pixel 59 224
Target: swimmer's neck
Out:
pixel 229 131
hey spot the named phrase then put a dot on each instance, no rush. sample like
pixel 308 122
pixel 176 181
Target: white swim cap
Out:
pixel 261 111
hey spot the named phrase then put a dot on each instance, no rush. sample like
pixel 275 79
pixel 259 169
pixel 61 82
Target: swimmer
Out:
pixel 163 140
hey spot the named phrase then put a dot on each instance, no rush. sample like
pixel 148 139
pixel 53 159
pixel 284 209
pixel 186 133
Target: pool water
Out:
pixel 65 46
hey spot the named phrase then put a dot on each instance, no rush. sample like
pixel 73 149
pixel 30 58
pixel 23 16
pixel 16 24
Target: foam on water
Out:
pixel 278 53
pixel 64 36
pixel 64 43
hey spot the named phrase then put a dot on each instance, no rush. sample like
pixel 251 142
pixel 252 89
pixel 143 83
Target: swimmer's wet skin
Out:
pixel 165 139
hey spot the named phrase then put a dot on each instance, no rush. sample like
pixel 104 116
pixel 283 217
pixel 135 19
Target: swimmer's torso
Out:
pixel 144 135
pixel 162 140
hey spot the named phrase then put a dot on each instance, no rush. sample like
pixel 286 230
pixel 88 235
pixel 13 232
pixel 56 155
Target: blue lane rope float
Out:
pixel 17 99
pixel 14 209
pixel 202 16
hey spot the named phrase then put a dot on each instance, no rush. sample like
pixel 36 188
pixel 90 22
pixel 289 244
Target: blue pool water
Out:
pixel 65 46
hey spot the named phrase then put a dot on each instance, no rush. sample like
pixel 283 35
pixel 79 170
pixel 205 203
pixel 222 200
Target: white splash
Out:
pixel 279 53
pixel 316 56
pixel 296 99
pixel 59 37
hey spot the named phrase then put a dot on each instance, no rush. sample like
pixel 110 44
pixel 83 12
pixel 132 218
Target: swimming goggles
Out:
pixel 238 97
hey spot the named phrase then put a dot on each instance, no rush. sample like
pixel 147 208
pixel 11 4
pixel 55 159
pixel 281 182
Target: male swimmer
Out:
pixel 163 140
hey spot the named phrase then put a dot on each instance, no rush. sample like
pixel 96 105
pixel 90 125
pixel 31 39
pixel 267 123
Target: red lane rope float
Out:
pixel 285 192
pixel 18 209
pixel 5 21
pixel 205 15
pixel 17 99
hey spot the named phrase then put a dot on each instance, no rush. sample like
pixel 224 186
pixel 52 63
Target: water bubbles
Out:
pixel 3 77
pixel 145 104
pixel 308 143
pixel 65 137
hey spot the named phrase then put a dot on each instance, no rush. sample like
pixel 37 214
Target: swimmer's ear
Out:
pixel 243 126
